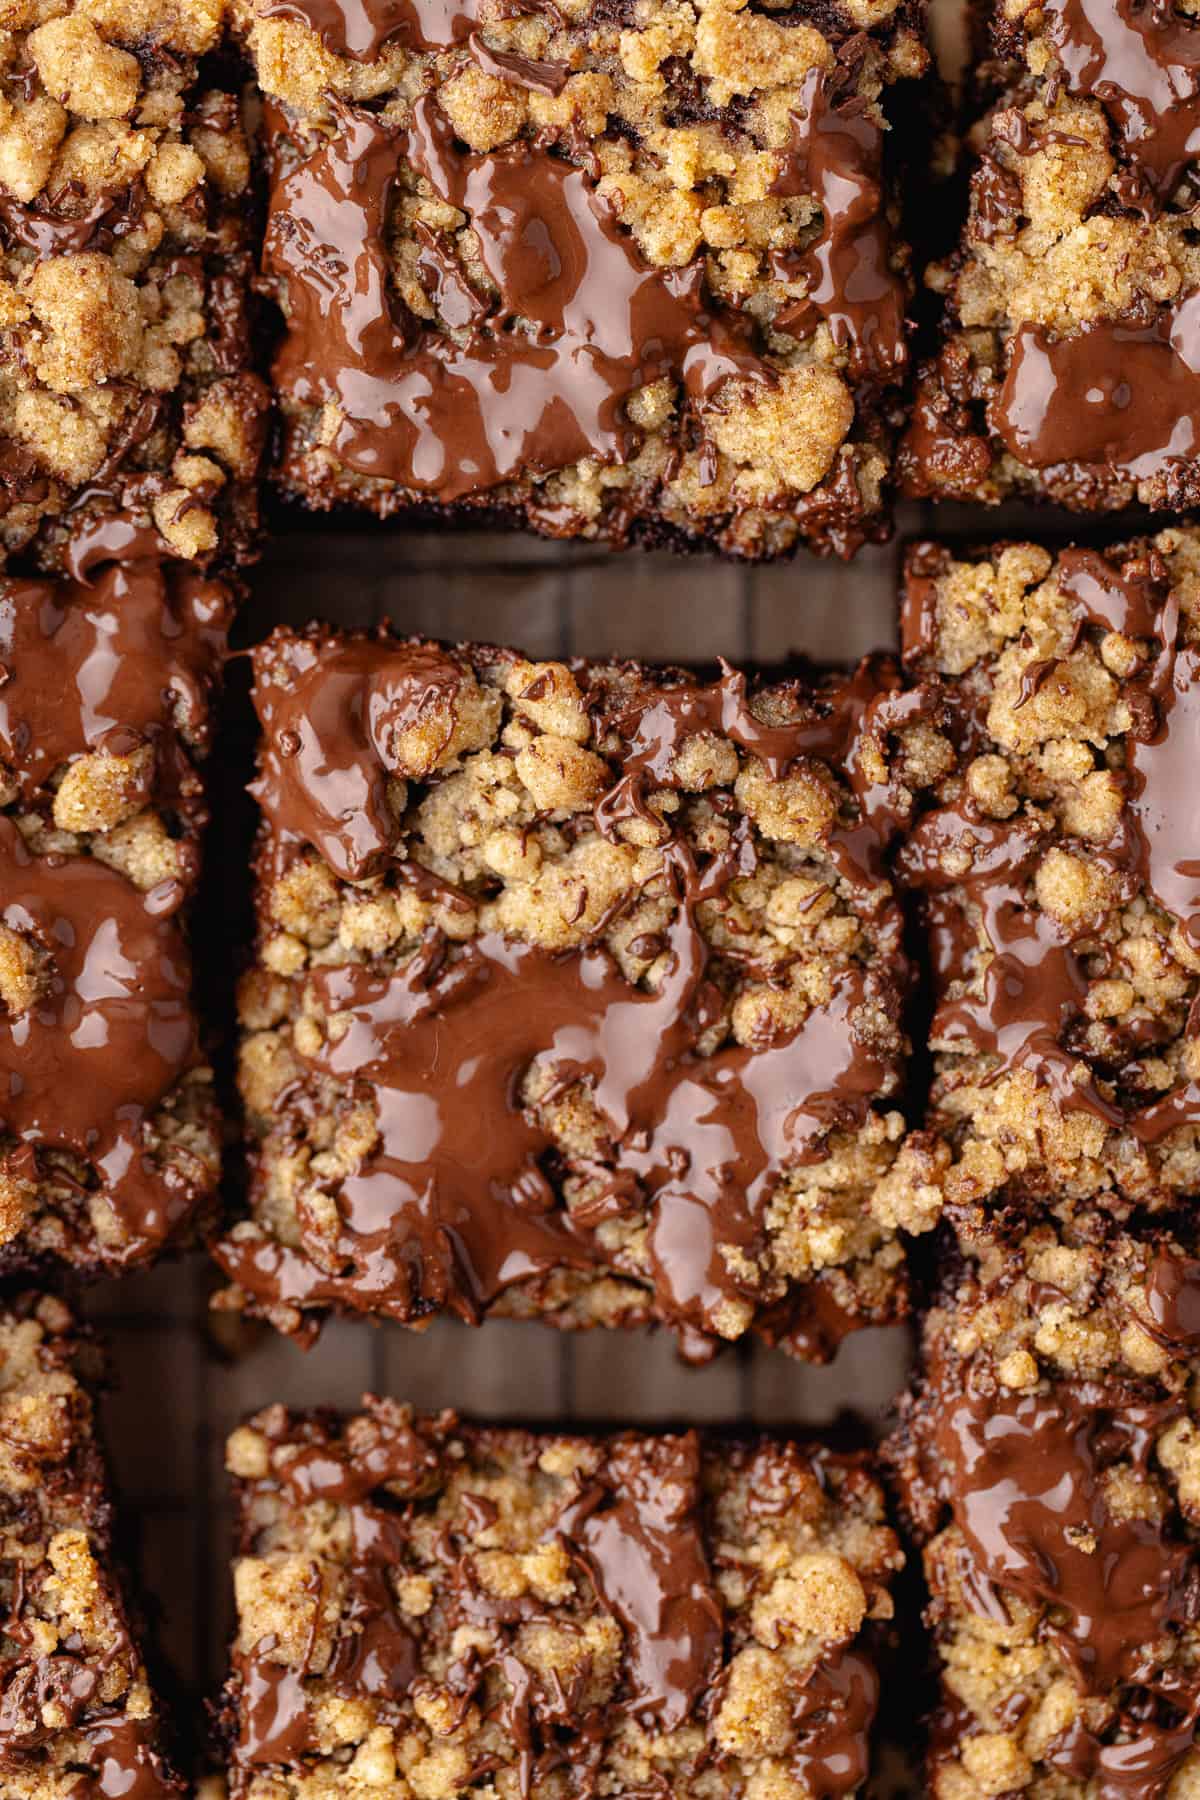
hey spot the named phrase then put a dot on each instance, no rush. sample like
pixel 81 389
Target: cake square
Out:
pixel 78 1712
pixel 1069 365
pixel 578 992
pixel 109 1134
pixel 608 272
pixel 129 413
pixel 447 1604
pixel 1058 876
pixel 1048 1466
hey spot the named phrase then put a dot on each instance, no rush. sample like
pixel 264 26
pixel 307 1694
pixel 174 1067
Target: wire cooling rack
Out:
pixel 182 1381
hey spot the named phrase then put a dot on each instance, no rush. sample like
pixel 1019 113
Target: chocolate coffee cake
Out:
pixel 578 992
pixel 452 1607
pixel 610 271
pixel 1061 893
pixel 109 1139
pixel 1069 366
pixel 129 415
pixel 78 1716
pixel 1050 1467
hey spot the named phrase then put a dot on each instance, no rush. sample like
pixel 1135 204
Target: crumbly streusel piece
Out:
pixel 109 1145
pixel 615 271
pixel 1050 1464
pixel 1070 359
pixel 128 412
pixel 578 992
pixel 78 1715
pixel 1059 876
pixel 436 1608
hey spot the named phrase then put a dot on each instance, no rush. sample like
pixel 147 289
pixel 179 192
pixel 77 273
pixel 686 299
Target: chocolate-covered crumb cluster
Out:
pixel 1059 884
pixel 1050 1466
pixel 78 1715
pixel 612 271
pixel 578 992
pixel 1069 366
pixel 109 1144
pixel 423 1606
pixel 128 409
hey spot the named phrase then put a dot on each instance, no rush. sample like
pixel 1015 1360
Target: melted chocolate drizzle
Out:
pixel 1110 395
pixel 637 1531
pixel 1141 60
pixel 1118 394
pixel 361 29
pixel 108 668
pixel 839 731
pixel 1173 1300
pixel 128 1766
pixel 1033 985
pixel 634 1529
pixel 455 1204
pixel 327 746
pixel 1023 1475
pixel 836 156
pixel 128 661
pixel 1164 796
pixel 839 1700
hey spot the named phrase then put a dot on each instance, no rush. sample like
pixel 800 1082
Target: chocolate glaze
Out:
pixel 360 29
pixel 1133 600
pixel 128 1767
pixel 48 233
pixel 924 564
pixel 1164 796
pixel 275 1724
pixel 837 1708
pixel 53 1718
pixel 1114 395
pixel 1141 60
pixel 995 199
pixel 109 1035
pixel 525 71
pixel 1141 1764
pixel 418 409
pixel 66 1685
pixel 327 747
pixel 375 1652
pixel 1128 597
pixel 839 728
pixel 1034 987
pixel 942 452
pixel 110 537
pixel 1173 1299
pixel 391 1455
pixel 128 661
pixel 638 1532
pixel 1023 1476
pixel 836 156
pixel 461 1197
